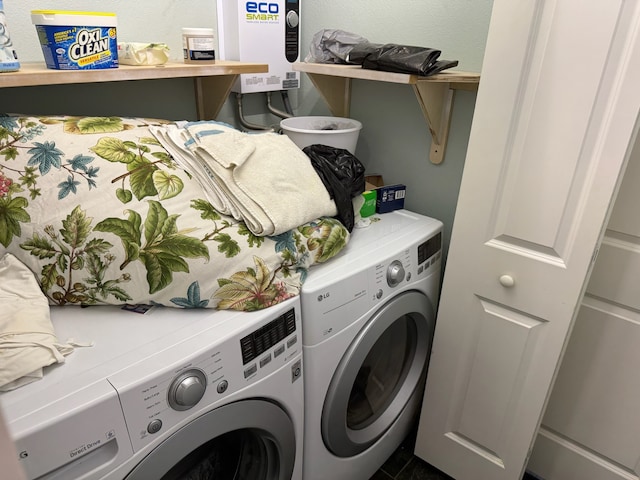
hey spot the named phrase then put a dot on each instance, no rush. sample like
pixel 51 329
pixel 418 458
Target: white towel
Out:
pixel 265 176
pixel 173 139
pixel 27 339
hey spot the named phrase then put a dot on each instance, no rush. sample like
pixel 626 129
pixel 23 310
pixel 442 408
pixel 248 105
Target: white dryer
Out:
pixel 166 395
pixel 368 318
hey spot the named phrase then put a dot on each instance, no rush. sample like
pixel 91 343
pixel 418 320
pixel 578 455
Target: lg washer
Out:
pixel 168 394
pixel 368 318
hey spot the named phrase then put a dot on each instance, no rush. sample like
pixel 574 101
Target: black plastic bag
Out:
pixel 359 52
pixel 339 46
pixel 342 175
pixel 405 59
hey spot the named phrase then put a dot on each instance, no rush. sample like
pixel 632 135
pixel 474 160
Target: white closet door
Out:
pixel 591 427
pixel 555 115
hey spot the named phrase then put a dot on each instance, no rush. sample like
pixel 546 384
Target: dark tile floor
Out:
pixel 403 465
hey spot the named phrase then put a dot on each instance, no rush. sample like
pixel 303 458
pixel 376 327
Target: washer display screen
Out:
pixel 267 336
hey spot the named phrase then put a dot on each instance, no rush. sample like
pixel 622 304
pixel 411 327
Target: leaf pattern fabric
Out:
pixel 101 214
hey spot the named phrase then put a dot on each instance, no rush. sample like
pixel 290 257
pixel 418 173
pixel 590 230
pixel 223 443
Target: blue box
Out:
pixel 390 197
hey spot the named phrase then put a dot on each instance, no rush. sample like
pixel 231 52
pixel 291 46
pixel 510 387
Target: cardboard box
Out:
pixel 371 182
pixel 387 197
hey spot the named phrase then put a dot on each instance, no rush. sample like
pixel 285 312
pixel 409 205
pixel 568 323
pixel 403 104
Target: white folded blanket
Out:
pixel 173 139
pixel 263 179
pixel 27 340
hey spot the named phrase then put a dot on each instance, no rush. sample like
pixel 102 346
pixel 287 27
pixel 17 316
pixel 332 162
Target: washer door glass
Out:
pixel 246 440
pixel 380 376
pixel 242 454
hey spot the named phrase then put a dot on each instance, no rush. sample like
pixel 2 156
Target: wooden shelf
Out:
pixel 435 94
pixel 213 82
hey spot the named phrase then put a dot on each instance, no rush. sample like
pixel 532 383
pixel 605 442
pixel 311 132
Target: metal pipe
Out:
pixel 244 122
pixel 274 110
pixel 286 102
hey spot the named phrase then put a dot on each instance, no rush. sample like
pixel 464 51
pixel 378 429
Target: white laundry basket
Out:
pixel 336 132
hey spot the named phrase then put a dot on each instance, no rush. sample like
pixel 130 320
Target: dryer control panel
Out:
pixel 332 307
pixel 429 252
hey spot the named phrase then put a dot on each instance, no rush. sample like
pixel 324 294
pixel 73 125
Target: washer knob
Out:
pixel 187 389
pixel 154 426
pixel 395 273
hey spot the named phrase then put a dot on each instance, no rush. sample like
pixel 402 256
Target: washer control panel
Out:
pixel 417 260
pixel 264 338
pixel 174 385
pixel 413 261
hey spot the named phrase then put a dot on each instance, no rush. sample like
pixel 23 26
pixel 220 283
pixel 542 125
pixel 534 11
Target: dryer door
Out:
pixel 246 440
pixel 381 375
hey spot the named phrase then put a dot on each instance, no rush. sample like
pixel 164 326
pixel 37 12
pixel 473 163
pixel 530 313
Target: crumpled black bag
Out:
pixel 401 59
pixel 360 51
pixel 342 175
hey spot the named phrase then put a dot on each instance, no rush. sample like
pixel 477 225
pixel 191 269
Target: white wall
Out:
pixel 395 140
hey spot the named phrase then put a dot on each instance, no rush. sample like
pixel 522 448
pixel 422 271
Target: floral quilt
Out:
pixel 101 214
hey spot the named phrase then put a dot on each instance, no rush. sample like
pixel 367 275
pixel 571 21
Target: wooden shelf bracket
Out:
pixel 435 100
pixel 436 103
pixel 211 93
pixel 336 92
pixel 435 94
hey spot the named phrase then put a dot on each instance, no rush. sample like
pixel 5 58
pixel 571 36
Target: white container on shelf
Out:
pixel 198 45
pixel 338 132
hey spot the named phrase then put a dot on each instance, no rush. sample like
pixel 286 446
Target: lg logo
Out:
pixel 262 7
pixel 322 296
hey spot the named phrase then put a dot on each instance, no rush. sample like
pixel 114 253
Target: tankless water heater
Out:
pixel 262 32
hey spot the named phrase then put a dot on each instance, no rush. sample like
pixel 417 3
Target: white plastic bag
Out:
pixel 332 46
pixel 135 53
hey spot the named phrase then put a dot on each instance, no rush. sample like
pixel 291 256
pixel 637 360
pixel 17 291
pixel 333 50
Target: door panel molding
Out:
pixel 504 342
